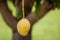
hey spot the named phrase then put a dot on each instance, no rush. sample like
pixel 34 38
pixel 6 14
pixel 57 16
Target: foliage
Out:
pixel 57 3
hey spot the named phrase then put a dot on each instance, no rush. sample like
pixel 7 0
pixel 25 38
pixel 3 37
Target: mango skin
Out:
pixel 23 26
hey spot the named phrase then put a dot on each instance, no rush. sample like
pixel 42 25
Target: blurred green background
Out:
pixel 5 31
pixel 47 28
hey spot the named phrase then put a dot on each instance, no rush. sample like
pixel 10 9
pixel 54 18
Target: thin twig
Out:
pixel 23 8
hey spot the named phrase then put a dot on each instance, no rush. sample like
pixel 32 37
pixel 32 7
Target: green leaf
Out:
pixel 47 28
pixel 19 13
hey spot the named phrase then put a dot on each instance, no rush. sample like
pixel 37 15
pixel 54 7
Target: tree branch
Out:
pixel 45 7
pixel 7 16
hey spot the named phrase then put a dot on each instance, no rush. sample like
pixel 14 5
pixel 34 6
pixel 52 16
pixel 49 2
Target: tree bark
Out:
pixel 7 16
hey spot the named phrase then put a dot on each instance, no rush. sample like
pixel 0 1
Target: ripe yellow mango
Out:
pixel 23 26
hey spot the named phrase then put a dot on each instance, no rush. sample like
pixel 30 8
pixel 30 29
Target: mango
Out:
pixel 23 26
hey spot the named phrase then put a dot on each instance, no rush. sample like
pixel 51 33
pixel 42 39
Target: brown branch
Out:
pixel 28 6
pixel 18 5
pixel 17 36
pixel 45 7
pixel 7 16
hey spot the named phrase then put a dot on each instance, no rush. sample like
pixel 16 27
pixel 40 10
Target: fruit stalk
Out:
pixel 23 8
